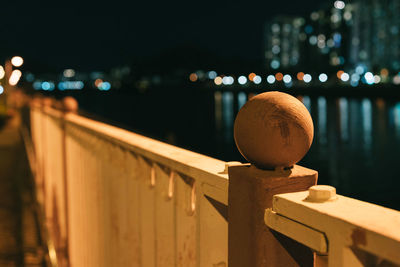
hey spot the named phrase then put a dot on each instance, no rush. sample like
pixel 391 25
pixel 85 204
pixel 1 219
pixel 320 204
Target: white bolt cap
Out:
pixel 321 193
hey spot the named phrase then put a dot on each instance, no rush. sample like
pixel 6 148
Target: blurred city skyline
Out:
pixel 358 36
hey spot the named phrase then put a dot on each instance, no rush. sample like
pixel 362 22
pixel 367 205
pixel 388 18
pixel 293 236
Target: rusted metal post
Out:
pixel 273 131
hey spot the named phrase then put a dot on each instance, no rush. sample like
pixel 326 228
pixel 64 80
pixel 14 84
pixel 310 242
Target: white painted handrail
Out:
pixel 350 232
pixel 208 171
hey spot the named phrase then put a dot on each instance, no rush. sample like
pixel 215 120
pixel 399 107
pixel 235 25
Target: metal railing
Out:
pixel 116 198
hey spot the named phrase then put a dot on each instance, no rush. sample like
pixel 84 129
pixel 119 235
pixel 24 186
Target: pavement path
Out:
pixel 20 242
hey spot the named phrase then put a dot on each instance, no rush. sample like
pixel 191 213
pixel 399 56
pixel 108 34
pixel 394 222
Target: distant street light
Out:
pixel 14 78
pixel 2 72
pixel 17 61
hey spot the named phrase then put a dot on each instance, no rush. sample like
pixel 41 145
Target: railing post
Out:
pixel 69 105
pixel 273 131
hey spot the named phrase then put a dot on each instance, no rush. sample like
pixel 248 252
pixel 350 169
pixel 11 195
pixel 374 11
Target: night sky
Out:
pixel 94 35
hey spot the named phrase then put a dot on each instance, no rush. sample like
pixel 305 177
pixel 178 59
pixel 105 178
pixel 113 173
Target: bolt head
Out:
pixel 321 193
pixel 273 130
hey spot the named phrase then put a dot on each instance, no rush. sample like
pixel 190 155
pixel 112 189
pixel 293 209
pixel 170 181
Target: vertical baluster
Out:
pixel 213 229
pixel 97 188
pixel 46 168
pixel 80 205
pixel 106 221
pixel 342 255
pixel 147 215
pixel 37 130
pixel 56 186
pixel 118 215
pixel 75 169
pixel 186 219
pixel 132 209
pixel 165 217
pixel 71 198
pixel 69 105
pixel 85 176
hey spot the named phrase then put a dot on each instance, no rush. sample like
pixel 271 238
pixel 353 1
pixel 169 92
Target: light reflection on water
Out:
pixel 322 120
pixel 396 116
pixel 218 111
pixel 366 113
pixel 344 119
pixel 227 114
pixel 242 98
pixel 307 102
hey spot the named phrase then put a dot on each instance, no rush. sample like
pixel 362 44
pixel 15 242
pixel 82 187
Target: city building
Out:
pixel 375 36
pixel 339 35
pixel 282 42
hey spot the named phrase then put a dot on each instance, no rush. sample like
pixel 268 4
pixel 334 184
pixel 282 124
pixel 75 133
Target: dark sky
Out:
pixel 91 35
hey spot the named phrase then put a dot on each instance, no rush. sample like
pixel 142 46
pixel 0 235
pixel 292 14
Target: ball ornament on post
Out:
pixel 47 101
pixel 273 130
pixel 70 104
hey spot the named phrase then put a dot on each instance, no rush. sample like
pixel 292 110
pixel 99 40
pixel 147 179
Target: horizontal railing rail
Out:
pixel 209 172
pixel 343 231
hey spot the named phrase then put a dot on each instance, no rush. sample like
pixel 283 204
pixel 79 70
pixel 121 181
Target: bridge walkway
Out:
pixel 20 241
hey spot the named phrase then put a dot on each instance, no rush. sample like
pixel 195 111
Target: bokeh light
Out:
pixel 339 74
pixel 218 80
pixel 97 82
pixel 279 76
pixel 14 78
pixel 300 76
pixel 242 80
pixel 369 78
pixel 384 72
pixel 307 78
pixel 211 75
pixel 271 79
pixel 251 76
pixel 228 80
pixel 104 86
pixel 2 72
pixel 339 4
pixel 193 77
pixel 69 73
pixel 377 79
pixel 257 79
pixel 287 78
pixel 17 61
pixel 345 77
pixel 323 77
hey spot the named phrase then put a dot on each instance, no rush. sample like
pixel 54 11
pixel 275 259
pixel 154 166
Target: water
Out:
pixel 356 140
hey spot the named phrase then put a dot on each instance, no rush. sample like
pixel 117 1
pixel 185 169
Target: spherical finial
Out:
pixel 47 102
pixel 273 130
pixel 35 102
pixel 70 104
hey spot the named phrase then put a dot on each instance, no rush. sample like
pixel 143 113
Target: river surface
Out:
pixel 356 140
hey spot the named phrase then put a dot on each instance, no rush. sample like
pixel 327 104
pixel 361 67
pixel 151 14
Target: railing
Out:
pixel 116 198
pixel 342 231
